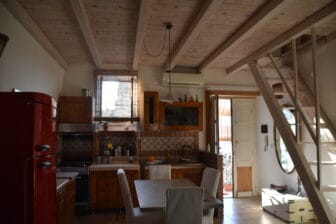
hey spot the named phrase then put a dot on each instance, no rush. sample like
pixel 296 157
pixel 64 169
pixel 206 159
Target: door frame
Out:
pixel 228 95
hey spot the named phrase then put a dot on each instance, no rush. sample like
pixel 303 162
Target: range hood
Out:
pixel 77 127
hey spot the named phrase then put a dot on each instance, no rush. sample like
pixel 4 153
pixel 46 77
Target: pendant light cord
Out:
pixel 169 26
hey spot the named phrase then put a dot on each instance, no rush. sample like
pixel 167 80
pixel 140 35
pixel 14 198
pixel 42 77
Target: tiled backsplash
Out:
pixel 167 143
pixel 76 147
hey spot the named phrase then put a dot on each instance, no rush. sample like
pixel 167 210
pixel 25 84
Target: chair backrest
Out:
pixel 125 192
pixel 159 172
pixel 184 205
pixel 210 180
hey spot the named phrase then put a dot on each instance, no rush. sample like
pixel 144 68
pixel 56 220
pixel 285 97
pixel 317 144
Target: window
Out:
pixel 117 97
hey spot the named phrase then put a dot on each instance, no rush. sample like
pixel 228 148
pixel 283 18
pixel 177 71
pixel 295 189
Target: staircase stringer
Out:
pixel 316 197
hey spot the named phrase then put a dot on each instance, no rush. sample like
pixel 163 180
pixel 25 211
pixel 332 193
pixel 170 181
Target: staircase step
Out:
pixel 331 143
pixel 328 188
pixel 331 163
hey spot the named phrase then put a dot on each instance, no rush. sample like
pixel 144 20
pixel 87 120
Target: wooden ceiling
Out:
pixel 125 34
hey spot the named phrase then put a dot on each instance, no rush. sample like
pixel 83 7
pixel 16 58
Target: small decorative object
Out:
pixel 196 98
pixel 180 99
pixel 14 90
pixel 191 99
pixel 185 97
pixel 105 126
pixel 3 41
pixel 85 92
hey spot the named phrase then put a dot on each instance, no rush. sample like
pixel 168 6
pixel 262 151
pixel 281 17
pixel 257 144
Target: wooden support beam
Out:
pixel 263 15
pixel 29 24
pixel 79 10
pixel 316 197
pixel 144 12
pixel 207 10
pixel 318 17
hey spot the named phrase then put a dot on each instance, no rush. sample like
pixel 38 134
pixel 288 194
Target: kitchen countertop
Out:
pixel 181 165
pixel 125 166
pixel 66 175
pixel 60 183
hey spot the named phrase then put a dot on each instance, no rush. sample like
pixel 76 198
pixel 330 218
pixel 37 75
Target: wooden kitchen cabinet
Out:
pixel 151 110
pixel 185 172
pixel 105 188
pixel 66 204
pixel 76 109
pixel 191 173
pixel 181 116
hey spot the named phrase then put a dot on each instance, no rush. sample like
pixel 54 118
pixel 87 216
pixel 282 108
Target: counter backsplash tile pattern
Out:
pixel 76 148
pixel 166 143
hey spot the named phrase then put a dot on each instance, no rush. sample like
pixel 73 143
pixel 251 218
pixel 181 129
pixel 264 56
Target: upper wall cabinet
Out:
pixel 181 116
pixel 151 110
pixel 76 109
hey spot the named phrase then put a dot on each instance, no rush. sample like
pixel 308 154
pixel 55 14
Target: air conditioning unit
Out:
pixel 183 79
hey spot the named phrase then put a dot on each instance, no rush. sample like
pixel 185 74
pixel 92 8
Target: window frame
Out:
pixel 98 117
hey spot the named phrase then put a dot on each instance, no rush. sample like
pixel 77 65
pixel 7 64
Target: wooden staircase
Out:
pixel 312 146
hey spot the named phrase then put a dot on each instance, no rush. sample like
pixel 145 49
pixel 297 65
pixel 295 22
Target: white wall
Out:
pixel 269 168
pixel 76 78
pixel 24 64
pixel 326 68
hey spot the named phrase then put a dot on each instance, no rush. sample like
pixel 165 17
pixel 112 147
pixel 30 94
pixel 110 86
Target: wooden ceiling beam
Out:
pixel 297 30
pixel 251 24
pixel 29 24
pixel 144 12
pixel 82 17
pixel 207 10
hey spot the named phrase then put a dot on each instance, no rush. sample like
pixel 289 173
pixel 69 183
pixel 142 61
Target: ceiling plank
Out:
pixel 144 12
pixel 29 24
pixel 318 17
pixel 253 23
pixel 196 27
pixel 79 10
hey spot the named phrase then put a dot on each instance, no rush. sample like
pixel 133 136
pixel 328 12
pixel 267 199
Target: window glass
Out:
pixel 117 97
pixel 283 156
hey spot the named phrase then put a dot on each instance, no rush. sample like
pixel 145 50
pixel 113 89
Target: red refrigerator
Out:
pixel 27 160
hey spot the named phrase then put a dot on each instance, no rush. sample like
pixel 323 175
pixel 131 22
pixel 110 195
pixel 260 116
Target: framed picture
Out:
pixel 3 41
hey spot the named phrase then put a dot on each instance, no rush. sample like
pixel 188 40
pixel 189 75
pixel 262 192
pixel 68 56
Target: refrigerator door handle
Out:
pixel 43 148
pixel 45 165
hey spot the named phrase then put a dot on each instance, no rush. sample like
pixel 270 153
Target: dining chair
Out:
pixel 210 181
pixel 184 205
pixel 134 215
pixel 159 172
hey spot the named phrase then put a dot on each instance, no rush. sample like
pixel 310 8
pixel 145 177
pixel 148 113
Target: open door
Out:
pixel 214 130
pixel 244 146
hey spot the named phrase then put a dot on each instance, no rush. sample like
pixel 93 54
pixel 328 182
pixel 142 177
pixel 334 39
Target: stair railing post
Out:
pixel 296 91
pixel 317 109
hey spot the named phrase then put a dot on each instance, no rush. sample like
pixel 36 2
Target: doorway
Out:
pixel 230 132
pixel 225 144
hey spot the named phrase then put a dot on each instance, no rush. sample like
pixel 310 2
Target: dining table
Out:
pixel 152 193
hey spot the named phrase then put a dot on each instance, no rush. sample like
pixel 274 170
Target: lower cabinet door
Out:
pixel 105 189
pixel 66 204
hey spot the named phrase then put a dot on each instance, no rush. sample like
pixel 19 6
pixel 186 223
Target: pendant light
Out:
pixel 169 97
